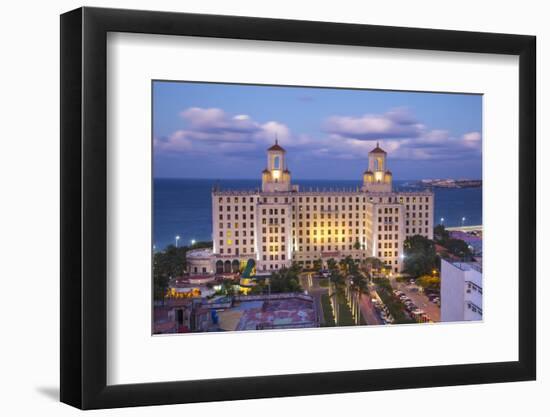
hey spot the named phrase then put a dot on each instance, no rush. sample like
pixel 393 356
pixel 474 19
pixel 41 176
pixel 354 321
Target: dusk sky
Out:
pixel 221 131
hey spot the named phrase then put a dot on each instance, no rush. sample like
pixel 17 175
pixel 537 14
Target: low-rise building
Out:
pixel 461 291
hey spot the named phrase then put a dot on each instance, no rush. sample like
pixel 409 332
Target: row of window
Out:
pixel 230 242
pixel 313 232
pixel 274 220
pixel 474 287
pixel 475 308
pixel 274 257
pixel 236 225
pixel 228 233
pixel 329 224
pixel 274 248
pixel 330 199
pixel 388 254
pixel 329 240
pixel 415 224
pixel 426 207
pixel 329 216
pixel 388 245
pixel 413 214
pixel 271 267
pixel 273 239
pixel 237 251
pixel 272 230
pixel 236 208
pixel 388 219
pixel 329 208
pixel 414 231
pixel 273 211
pixel 388 227
pixel 243 217
pixel 236 199
pixel 388 237
pixel 329 248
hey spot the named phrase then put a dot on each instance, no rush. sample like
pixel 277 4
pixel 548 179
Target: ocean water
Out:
pixel 183 207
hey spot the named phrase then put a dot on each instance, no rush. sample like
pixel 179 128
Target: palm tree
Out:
pixel 358 287
pixel 374 263
pixel 318 264
pixel 336 290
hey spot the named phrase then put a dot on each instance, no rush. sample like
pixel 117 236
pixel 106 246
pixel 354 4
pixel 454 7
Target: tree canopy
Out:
pixel 430 282
pixel 167 264
pixel 455 247
pixel 285 280
pixel 420 256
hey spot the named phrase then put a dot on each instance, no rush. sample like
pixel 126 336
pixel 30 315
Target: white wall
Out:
pixel 452 292
pixel 29 210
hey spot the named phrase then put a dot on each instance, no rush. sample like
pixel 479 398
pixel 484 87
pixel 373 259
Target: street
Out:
pixel 368 311
pixel 311 285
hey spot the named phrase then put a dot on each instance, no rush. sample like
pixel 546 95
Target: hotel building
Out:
pixel 281 223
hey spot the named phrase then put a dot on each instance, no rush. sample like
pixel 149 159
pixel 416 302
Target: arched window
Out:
pixel 277 162
pixel 379 164
pixel 219 267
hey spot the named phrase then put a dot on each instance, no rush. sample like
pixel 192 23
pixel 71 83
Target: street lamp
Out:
pixel 177 240
pixel 193 241
pixel 463 220
pixel 443 220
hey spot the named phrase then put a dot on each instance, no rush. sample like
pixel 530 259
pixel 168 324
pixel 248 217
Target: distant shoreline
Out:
pixel 411 182
pixel 451 183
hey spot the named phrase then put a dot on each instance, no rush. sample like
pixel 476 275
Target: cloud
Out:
pixel 176 142
pixel 400 133
pixel 397 123
pixel 472 136
pixel 213 131
pixel 214 124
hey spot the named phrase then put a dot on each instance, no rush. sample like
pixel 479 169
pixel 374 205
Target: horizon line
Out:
pixel 312 179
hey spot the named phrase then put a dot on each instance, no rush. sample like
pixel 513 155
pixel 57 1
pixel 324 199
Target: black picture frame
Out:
pixel 84 207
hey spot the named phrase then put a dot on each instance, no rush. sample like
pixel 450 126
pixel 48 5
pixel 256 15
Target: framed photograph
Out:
pixel 257 208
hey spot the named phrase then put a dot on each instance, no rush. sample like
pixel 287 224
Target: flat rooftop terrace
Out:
pixel 269 314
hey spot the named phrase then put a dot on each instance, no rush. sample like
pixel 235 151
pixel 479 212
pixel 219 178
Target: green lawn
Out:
pixel 346 319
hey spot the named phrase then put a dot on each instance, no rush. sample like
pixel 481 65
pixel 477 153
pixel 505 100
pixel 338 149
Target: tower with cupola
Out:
pixel 276 177
pixel 377 178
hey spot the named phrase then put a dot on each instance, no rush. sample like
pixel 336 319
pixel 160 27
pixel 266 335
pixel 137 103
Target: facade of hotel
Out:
pixel 281 223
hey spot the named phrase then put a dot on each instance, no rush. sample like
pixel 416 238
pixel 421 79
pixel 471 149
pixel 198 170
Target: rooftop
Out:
pixel 269 313
pixel 276 147
pixel 203 253
pixel 378 149
pixel 468 266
